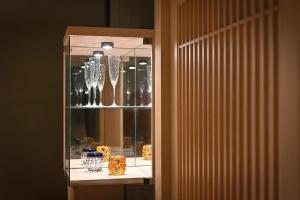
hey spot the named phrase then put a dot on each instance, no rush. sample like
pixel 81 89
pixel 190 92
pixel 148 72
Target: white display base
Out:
pixel 136 171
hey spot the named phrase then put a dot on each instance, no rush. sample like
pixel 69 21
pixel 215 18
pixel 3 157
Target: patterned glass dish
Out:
pixel 84 153
pixel 147 151
pixel 105 150
pixel 94 161
pixel 117 165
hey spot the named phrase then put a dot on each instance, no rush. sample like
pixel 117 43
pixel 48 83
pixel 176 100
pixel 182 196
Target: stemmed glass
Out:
pixel 149 82
pixel 78 86
pixel 128 92
pixel 113 65
pixel 101 80
pixel 94 76
pixel 88 72
pixel 141 91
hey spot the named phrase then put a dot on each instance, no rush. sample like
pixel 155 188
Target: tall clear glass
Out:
pixel 101 80
pixel 94 76
pixel 141 91
pixel 114 67
pixel 88 72
pixel 78 86
pixel 149 82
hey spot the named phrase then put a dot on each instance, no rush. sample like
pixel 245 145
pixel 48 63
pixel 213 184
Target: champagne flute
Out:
pixel 128 93
pixel 141 91
pixel 113 65
pixel 101 80
pixel 78 86
pixel 149 82
pixel 88 71
pixel 94 76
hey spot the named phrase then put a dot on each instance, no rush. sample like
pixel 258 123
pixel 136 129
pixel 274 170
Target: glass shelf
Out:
pixel 110 107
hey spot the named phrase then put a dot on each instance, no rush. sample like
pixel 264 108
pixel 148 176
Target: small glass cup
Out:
pixel 127 142
pixel 117 165
pixel 147 151
pixel 139 148
pixel 94 161
pixel 84 153
pixel 105 150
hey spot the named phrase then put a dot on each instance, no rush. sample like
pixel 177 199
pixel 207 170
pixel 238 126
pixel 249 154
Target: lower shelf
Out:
pixel 133 174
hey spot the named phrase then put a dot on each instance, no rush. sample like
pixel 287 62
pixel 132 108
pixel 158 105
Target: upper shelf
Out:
pixel 103 31
pixel 110 107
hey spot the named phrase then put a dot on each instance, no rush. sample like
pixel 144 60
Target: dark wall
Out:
pixel 132 13
pixel 31 36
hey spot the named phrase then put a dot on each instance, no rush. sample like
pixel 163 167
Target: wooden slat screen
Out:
pixel 227 107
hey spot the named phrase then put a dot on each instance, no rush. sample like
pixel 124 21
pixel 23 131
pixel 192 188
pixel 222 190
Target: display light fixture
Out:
pixel 107 45
pixel 98 53
pixel 131 67
pixel 142 62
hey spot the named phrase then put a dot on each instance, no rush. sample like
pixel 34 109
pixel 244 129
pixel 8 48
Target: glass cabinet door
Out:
pixel 108 108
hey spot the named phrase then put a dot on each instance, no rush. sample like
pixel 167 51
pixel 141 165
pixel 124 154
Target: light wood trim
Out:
pixel 287 73
pixel 162 105
pixel 70 193
pixel 102 31
pixel 174 103
pixel 64 106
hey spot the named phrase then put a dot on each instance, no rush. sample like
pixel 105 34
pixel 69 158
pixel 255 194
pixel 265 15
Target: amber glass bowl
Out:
pixel 117 165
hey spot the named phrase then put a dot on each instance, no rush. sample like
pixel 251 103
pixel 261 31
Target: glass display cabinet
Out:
pixel 108 105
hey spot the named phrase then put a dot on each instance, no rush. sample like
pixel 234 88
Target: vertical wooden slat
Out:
pixel 241 96
pixel 185 175
pixel 266 117
pixel 179 118
pixel 245 105
pixel 271 95
pixel 235 104
pixel 201 115
pixel 275 108
pixel 257 118
pixel 222 133
pixel 188 100
pixel 227 113
pixel 218 99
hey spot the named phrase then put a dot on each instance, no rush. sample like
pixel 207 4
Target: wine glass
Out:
pixel 141 91
pixel 128 93
pixel 94 76
pixel 78 86
pixel 88 72
pixel 149 82
pixel 101 80
pixel 113 65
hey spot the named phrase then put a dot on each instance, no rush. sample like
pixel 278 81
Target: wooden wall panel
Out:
pixel 227 137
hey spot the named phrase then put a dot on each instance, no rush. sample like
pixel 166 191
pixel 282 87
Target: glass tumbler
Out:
pixel 147 151
pixel 94 161
pixel 84 153
pixel 105 150
pixel 117 165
